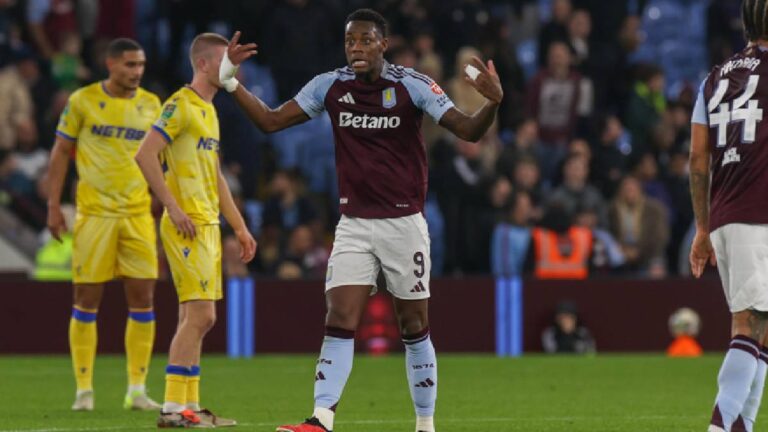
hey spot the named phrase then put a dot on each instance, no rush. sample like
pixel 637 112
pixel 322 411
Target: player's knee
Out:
pixel 202 322
pixel 340 317
pixel 412 324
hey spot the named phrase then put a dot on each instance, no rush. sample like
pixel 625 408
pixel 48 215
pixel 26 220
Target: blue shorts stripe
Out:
pixel 143 317
pixel 83 316
pixel 194 371
pixel 163 133
pixel 177 370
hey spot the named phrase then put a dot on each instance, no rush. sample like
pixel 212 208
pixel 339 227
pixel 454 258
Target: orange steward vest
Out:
pixel 551 264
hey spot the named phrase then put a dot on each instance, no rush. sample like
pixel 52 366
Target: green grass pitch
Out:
pixel 626 393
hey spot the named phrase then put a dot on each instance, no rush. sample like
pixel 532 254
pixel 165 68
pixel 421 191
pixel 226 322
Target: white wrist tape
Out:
pixel 227 72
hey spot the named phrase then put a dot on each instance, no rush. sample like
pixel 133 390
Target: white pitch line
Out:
pixel 381 422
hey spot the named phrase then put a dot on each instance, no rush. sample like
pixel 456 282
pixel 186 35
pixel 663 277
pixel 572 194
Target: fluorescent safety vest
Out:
pixel 551 264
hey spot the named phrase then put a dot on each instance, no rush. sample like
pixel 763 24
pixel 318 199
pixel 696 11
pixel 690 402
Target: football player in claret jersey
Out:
pixel 376 109
pixel 114 232
pixel 729 189
pixel 184 144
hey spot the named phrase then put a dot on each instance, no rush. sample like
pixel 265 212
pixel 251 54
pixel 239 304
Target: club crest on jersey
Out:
pixel 388 97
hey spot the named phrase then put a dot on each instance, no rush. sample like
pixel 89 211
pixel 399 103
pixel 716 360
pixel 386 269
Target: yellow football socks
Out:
pixel 139 339
pixel 82 345
pixel 176 378
pixel 193 389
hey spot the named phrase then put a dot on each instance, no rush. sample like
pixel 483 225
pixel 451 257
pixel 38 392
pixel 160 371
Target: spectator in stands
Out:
pixel 575 192
pixel 553 99
pixel 47 100
pixel 560 249
pixel 641 225
pixel 304 257
pixel 288 207
pixel 30 160
pixel 647 171
pixel 47 19
pixel 607 255
pixel 495 44
pixel 286 42
pixel 526 140
pixel 556 30
pixel 16 110
pixel 462 194
pixel 579 29
pixel 67 67
pixel 611 153
pixel 646 106
pixel 681 216
pixel 512 237
pixel 567 335
pixel 526 178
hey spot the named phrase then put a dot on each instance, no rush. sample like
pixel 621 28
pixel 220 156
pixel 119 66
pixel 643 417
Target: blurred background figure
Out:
pixel 684 326
pixel 567 335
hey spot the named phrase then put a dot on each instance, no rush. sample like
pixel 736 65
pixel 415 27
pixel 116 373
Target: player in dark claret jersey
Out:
pixel 729 188
pixel 376 109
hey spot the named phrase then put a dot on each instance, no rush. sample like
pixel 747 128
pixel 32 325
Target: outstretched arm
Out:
pixel 266 118
pixel 473 127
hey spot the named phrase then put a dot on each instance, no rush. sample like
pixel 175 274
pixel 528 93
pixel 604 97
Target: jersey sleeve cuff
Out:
pixel 65 136
pixel 439 113
pixel 306 106
pixel 163 133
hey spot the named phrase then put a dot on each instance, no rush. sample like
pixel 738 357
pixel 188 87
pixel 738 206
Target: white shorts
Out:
pixel 398 247
pixel 742 260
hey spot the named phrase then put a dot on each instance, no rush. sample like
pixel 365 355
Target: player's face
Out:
pixel 364 46
pixel 127 69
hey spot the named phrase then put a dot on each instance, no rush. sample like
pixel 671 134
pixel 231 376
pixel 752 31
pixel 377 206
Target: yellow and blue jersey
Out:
pixel 191 159
pixel 108 131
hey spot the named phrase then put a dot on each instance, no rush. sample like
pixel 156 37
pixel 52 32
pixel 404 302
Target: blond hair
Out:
pixel 201 45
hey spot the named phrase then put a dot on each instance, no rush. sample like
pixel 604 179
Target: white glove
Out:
pixel 227 72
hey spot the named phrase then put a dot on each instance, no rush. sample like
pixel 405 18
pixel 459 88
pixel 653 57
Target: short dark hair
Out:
pixel 118 46
pixel 754 16
pixel 370 15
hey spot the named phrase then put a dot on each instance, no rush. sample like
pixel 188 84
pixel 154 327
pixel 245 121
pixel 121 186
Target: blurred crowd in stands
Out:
pixel 588 154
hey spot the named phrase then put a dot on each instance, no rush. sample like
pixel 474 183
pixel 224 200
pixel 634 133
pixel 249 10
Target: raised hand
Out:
pixel 487 82
pixel 238 53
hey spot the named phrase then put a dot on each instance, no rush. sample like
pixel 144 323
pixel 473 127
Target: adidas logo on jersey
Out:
pixel 368 122
pixel 347 98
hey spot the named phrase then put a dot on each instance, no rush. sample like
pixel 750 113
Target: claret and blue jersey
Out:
pixel 732 102
pixel 380 154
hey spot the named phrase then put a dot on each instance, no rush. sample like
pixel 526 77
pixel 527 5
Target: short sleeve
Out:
pixel 699 115
pixel 311 98
pixel 427 94
pixel 71 119
pixel 172 120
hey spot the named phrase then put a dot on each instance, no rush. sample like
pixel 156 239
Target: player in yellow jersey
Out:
pixel 185 143
pixel 114 233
